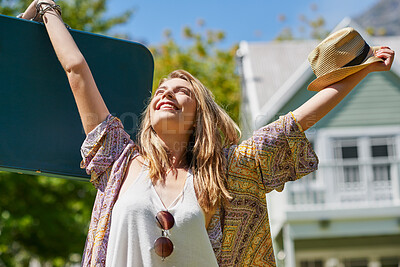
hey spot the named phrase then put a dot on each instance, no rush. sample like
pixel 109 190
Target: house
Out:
pixel 348 212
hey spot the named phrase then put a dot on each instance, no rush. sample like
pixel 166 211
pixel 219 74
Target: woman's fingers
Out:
pixel 383 55
pixel 30 12
pixel 387 55
pixel 384 51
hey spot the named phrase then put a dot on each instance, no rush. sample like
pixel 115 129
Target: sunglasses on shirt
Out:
pixel 163 246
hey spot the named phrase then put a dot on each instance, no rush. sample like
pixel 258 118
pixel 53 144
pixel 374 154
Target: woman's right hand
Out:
pixel 91 106
pixel 31 12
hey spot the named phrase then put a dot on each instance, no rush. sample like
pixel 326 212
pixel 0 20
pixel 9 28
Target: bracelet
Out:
pixel 40 11
pixel 67 26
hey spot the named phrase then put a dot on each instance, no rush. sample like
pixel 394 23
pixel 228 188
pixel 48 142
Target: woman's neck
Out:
pixel 176 147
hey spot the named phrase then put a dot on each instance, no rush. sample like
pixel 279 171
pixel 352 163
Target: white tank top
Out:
pixel 134 228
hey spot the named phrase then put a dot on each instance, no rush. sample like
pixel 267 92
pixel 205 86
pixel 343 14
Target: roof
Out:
pixel 274 62
pixel 273 72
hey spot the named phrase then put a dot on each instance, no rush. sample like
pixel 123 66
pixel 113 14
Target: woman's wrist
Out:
pixel 38 8
pixel 373 67
pixel 46 6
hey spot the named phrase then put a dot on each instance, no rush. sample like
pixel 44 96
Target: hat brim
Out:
pixel 339 74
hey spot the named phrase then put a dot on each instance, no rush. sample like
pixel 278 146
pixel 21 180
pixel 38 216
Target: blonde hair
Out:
pixel 214 130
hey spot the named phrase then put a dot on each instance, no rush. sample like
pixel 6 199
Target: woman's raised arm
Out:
pixel 91 106
pixel 325 100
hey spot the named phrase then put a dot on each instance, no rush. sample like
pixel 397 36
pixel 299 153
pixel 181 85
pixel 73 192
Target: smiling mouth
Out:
pixel 166 106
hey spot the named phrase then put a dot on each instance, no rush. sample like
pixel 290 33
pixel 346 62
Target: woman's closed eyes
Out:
pixel 177 90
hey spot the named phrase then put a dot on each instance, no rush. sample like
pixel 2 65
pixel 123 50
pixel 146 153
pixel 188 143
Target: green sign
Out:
pixel 40 128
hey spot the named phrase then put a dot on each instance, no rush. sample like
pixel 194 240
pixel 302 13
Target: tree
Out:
pixel 314 28
pixel 214 66
pixel 43 218
pixel 86 15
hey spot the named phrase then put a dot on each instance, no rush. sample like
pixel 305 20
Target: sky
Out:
pixel 251 20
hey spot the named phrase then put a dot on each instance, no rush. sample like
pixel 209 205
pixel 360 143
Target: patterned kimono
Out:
pixel 239 232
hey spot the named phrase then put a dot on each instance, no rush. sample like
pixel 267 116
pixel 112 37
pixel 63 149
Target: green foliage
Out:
pixel 285 34
pixel 317 28
pixel 376 32
pixel 308 28
pixel 43 218
pixel 13 7
pixel 213 66
pixel 87 15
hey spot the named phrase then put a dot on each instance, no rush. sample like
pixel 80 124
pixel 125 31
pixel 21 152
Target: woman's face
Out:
pixel 173 107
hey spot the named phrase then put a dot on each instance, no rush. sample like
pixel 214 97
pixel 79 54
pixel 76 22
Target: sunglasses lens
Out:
pixel 163 247
pixel 165 220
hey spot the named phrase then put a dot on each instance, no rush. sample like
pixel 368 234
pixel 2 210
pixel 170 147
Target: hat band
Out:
pixel 360 58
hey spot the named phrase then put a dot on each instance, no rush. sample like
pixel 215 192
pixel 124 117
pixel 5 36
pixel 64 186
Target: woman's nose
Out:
pixel 169 93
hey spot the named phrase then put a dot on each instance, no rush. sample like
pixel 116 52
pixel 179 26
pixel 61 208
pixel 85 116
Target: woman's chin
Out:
pixel 165 125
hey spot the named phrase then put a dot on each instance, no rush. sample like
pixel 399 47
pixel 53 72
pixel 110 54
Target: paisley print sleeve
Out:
pixel 102 146
pixel 275 154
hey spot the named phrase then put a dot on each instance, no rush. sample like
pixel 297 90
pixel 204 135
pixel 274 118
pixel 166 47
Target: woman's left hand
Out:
pixel 387 55
pixel 30 11
pixel 325 100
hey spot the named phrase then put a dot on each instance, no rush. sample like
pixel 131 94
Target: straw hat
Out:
pixel 341 54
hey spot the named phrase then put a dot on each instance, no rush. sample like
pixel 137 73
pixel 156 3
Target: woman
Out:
pixel 186 174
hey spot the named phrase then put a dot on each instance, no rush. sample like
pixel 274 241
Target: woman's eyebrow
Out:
pixel 182 86
pixel 175 87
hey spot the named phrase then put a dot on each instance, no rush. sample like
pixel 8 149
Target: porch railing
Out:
pixel 350 184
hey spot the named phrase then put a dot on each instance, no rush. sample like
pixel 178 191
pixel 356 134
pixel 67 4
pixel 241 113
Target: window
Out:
pixel 311 263
pixel 382 150
pixel 364 168
pixel 358 171
pixel 390 262
pixel 346 154
pixel 355 263
pixel 362 261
